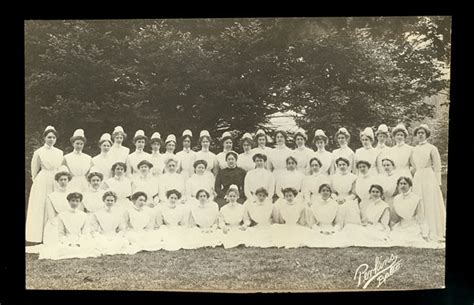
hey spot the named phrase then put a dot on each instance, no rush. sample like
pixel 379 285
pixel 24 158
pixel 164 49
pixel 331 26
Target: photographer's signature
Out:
pixel 383 269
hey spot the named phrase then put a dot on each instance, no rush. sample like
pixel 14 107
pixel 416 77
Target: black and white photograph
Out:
pixel 304 154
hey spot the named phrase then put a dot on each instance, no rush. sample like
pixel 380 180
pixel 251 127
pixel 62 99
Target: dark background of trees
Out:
pixel 231 74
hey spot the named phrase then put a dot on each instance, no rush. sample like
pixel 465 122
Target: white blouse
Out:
pixel 78 163
pixel 134 158
pixel 345 152
pixel 366 154
pixel 327 161
pixel 245 161
pixel 200 182
pixel 257 178
pixel 170 181
pixel 186 160
pixel 302 156
pixel 104 163
pixel 119 154
pixel 287 179
pixel 209 157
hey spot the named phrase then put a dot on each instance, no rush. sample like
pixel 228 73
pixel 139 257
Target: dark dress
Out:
pixel 225 178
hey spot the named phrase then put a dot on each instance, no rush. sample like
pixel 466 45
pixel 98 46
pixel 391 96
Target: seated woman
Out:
pixel 200 180
pixel 374 231
pixel 388 180
pixel 140 223
pixel 120 185
pixel 144 181
pixel 108 227
pixel 74 236
pixel 258 212
pixel 92 201
pixel 259 177
pixel 343 182
pixel 410 230
pixel 232 174
pixel 290 178
pixel 171 180
pixel 311 184
pixel 231 218
pixel 362 184
pixel 203 222
pixel 289 216
pixel 56 202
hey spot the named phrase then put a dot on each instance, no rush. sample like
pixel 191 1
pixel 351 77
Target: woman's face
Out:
pixel 141 200
pixel 366 141
pixel 246 146
pixel 262 141
pixel 118 138
pixel 300 140
pixel 74 203
pixel 202 197
pixel 186 143
pixel 232 196
pixel 375 193
pixel 403 186
pixel 381 138
pixel 50 139
pixel 63 181
pixel 140 144
pixel 363 168
pixel 78 145
pixel 200 169
pixel 109 201
pixel 95 182
pixel 261 196
pixel 289 196
pixel 291 164
pixel 342 166
pixel 315 166
pixel 387 166
pixel 259 163
pixel 170 146
pixel 280 139
pixel 399 137
pixel 144 169
pixel 119 171
pixel 231 161
pixel 105 147
pixel 171 167
pixel 173 198
pixel 325 193
pixel 205 143
pixel 227 144
pixel 341 139
pixel 421 134
pixel 320 144
pixel 155 147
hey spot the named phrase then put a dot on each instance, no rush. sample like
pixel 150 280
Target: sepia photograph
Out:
pixel 237 154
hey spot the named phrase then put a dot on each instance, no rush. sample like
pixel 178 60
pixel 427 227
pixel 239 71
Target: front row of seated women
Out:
pixel 326 221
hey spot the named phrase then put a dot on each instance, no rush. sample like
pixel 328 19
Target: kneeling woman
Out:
pixel 258 212
pixel 202 221
pixel 289 216
pixel 74 237
pixel 375 229
pixel 108 227
pixel 231 218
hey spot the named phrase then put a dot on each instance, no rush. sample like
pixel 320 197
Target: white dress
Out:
pixel 166 155
pixel 327 161
pixel 349 211
pixel 258 218
pixel 104 163
pixel 186 160
pixel 209 157
pixel 426 184
pixel 277 159
pixel 369 155
pixel 169 181
pixel 79 165
pixel 347 153
pixel 123 188
pixel 140 230
pixel 172 220
pixel 134 158
pixel 401 156
pixel 232 216
pixel 56 204
pixel 288 230
pixel 389 185
pixel 302 156
pixel 310 186
pixel 44 164
pixel 264 151
pixel 158 162
pixel 92 200
pixel 257 178
pixel 119 153
pixel 205 233
pixel 362 187
pixel 108 227
pixel 245 161
pixel 287 179
pixel 200 182
pixel 382 153
pixel 149 185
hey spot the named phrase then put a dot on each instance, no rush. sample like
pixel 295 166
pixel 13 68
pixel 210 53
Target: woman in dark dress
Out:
pixel 232 174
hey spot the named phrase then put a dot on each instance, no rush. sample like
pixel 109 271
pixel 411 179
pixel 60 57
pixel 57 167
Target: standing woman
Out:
pixel 290 178
pixel 344 151
pixel 245 159
pixel 232 174
pixel 119 153
pixel 310 185
pixel 120 185
pixel 104 160
pixel 401 152
pixel 201 180
pixel 187 156
pixel 325 157
pixel 302 153
pixel 261 142
pixel 139 140
pixel 205 154
pixel 156 158
pixel 227 144
pixel 170 147
pixel 171 180
pixel 259 177
pixel 78 163
pixel 427 182
pixel 279 155
pixel 382 149
pixel 46 160
pixel 367 152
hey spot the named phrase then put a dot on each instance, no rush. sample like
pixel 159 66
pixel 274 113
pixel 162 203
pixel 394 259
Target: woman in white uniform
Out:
pixel 120 185
pixel 203 218
pixel 119 152
pixel 156 158
pixel 383 151
pixel 139 140
pixel 310 185
pixel 227 144
pixel 205 154
pixel 327 160
pixel 145 182
pixel 279 154
pixel 344 151
pixel 171 180
pixel 289 178
pixel 259 177
pixel 92 197
pixel 401 152
pixel 245 160
pixel 104 160
pixel 367 152
pixel 231 218
pixel 362 184
pixel 261 143
pixel 78 162
pixel 258 211
pixel 187 156
pixel 201 180
pixel 170 146
pixel 44 164
pixel 388 180
pixel 302 153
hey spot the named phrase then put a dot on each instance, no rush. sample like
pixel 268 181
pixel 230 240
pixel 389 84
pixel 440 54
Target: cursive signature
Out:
pixel 382 270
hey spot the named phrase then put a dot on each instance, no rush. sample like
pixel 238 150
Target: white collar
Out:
pixel 77 152
pixel 47 146
pixel 422 143
pixel 186 150
pixel 301 148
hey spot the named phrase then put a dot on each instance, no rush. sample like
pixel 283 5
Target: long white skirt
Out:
pixel 366 236
pixel 327 236
pixel 234 237
pixel 143 240
pixel 290 236
pixel 410 235
pixel 70 247
pixel 109 244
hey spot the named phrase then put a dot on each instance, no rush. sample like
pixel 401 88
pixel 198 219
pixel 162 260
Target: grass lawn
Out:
pixel 236 269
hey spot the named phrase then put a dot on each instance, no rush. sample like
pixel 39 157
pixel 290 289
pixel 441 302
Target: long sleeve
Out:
pixel 276 216
pixel 436 159
pixel 248 192
pixel 271 186
pixel 303 218
pixel 278 190
pixel 306 191
pixel 35 165
pixel 61 230
pixel 94 224
pixel 215 169
pixel 162 190
pixel 129 168
pixel 220 220
pixel 246 218
pixel 50 211
pixel 218 184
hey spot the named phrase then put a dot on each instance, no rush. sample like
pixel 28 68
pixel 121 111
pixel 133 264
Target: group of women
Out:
pixel 123 202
